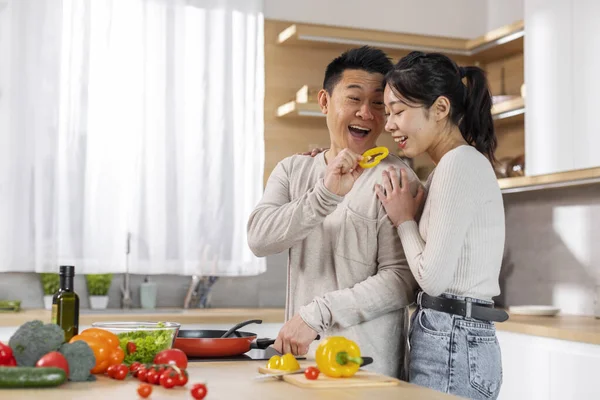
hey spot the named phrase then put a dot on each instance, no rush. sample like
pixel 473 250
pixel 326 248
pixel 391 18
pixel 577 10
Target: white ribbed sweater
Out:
pixel 458 245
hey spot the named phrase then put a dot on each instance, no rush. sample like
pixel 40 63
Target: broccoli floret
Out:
pixel 81 360
pixel 33 340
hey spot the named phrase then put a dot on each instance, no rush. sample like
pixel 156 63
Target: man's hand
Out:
pixel 295 337
pixel 342 172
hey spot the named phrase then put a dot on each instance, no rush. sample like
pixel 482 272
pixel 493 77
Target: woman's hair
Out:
pixel 422 77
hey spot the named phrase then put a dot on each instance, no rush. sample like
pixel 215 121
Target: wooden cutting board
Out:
pixel 360 379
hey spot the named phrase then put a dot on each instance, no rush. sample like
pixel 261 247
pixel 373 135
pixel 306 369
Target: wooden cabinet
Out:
pixel 538 368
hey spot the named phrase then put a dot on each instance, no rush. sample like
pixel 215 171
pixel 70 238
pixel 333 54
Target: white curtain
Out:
pixel 131 133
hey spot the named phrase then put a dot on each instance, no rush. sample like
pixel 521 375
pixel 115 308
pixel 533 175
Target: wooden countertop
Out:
pixel 191 316
pixel 224 380
pixel 566 327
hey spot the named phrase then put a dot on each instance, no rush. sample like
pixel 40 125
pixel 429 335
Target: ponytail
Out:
pixel 477 124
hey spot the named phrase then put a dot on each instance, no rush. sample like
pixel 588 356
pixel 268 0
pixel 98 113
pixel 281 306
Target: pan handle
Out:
pixel 240 325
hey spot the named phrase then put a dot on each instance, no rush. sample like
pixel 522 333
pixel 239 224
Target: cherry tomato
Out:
pixel 152 377
pixel 167 379
pixel 120 372
pixel 144 390
pixel 172 356
pixel 110 371
pixel 131 348
pixel 182 378
pixel 142 374
pixel 311 373
pixel 135 366
pixel 199 391
pixel 54 359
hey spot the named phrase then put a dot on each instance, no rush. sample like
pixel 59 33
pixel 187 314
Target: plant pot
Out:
pixel 48 301
pixel 98 302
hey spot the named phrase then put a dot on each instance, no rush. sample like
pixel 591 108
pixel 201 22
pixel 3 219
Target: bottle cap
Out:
pixel 67 270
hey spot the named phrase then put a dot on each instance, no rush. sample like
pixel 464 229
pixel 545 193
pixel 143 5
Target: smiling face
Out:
pixel 355 111
pixel 411 125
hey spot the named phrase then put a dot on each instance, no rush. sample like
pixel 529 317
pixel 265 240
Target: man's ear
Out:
pixel 441 108
pixel 323 98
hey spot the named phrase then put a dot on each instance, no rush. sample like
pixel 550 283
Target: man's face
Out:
pixel 355 111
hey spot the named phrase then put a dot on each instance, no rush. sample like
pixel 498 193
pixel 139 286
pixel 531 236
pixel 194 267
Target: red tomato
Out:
pixel 110 371
pixel 131 348
pixel 172 356
pixel 168 379
pixel 120 372
pixel 135 366
pixel 199 391
pixel 142 374
pixel 144 390
pixel 152 377
pixel 182 379
pixel 54 359
pixel 311 373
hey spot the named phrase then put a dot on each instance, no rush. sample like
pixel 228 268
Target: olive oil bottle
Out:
pixel 65 303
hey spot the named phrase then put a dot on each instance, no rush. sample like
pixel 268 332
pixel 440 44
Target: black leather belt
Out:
pixel 464 308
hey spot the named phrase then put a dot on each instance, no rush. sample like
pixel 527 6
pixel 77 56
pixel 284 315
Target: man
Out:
pixel 347 273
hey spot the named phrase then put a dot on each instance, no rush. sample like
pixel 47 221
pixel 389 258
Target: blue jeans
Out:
pixel 454 354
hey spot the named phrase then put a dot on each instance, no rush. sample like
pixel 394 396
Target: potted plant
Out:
pixel 97 287
pixel 50 285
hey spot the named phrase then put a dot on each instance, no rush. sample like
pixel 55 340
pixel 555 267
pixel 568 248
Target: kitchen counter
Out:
pixel 224 380
pixel 191 316
pixel 566 327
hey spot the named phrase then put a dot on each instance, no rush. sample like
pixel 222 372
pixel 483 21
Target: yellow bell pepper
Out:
pixel 286 362
pixel 373 156
pixel 338 357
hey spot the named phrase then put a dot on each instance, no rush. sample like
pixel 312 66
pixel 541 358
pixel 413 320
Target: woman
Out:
pixel 455 250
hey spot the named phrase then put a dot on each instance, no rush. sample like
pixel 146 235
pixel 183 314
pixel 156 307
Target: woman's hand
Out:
pixel 398 201
pixel 313 152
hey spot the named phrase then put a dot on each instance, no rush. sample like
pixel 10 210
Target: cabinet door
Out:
pixel 526 367
pixel 574 371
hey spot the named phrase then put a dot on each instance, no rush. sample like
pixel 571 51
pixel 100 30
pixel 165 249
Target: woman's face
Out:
pixel 409 124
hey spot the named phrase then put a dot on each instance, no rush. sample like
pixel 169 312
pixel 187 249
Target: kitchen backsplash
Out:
pixel 552 257
pixel 552 252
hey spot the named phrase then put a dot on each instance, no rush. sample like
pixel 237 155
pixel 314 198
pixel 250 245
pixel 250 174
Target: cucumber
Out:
pixel 31 377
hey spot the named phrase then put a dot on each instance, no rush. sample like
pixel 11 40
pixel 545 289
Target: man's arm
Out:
pixel 277 222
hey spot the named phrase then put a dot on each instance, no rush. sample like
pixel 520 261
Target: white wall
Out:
pixel 456 18
pixel 504 12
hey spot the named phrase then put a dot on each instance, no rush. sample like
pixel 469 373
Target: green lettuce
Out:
pixel 147 344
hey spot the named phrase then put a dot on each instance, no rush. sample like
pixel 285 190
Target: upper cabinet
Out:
pixel 296 57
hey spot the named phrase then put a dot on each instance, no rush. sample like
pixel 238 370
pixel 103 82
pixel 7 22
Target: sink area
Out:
pixel 88 311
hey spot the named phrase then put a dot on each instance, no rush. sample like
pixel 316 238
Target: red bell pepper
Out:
pixel 6 356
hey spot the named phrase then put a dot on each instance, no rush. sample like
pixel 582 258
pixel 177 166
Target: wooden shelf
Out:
pixel 504 110
pixel 494 45
pixel 296 109
pixel 509 108
pixel 579 177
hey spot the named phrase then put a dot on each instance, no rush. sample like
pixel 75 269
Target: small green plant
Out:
pixel 98 284
pixel 50 283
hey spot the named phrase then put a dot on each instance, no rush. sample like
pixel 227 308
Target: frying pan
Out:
pixel 217 343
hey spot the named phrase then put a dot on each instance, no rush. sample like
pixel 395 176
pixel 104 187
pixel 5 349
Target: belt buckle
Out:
pixel 468 308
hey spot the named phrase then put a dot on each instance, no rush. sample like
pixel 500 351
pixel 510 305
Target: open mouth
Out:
pixel 401 140
pixel 358 131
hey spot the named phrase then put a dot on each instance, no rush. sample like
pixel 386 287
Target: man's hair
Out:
pixel 364 58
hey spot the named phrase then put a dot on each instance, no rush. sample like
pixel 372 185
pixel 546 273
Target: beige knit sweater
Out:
pixel 458 244
pixel 347 272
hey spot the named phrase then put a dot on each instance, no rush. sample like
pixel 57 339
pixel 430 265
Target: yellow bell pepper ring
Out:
pixel 287 362
pixel 373 156
pixel 338 357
